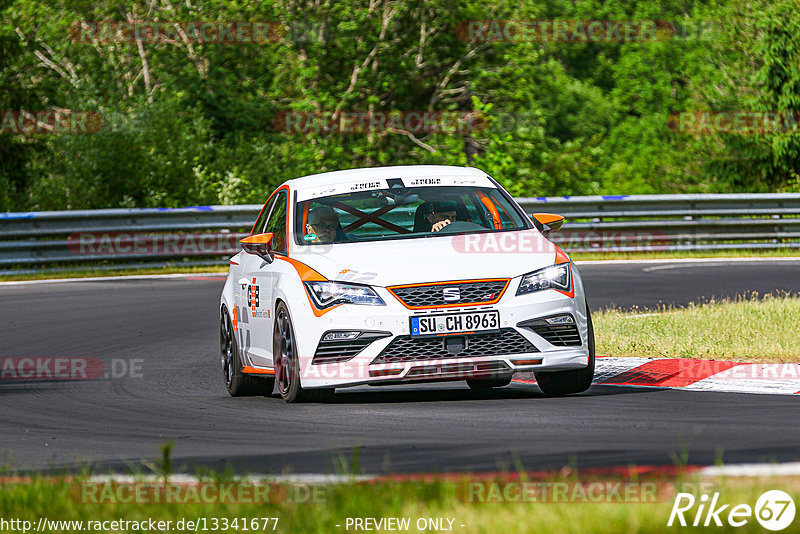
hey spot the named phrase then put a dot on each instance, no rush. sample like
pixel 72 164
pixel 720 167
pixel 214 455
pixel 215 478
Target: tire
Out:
pixel 560 383
pixel 482 384
pixel 287 362
pixel 236 382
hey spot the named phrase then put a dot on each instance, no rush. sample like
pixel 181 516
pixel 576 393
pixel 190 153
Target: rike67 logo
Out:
pixel 774 510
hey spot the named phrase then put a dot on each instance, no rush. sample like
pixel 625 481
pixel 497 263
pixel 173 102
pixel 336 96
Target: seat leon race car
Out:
pixel 400 275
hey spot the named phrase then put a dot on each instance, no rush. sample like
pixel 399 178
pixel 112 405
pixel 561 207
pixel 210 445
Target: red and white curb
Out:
pixel 694 375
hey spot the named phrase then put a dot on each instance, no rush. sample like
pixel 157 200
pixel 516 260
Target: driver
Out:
pixel 323 224
pixel 443 213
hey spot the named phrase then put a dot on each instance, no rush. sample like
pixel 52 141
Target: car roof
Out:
pixel 369 173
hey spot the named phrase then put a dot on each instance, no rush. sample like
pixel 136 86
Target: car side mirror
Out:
pixel 260 245
pixel 548 222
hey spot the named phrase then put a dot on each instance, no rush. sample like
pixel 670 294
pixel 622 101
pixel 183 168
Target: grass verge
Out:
pixel 538 507
pixel 747 329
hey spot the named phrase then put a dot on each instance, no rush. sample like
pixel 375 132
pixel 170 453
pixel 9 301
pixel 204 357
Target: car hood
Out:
pixel 410 261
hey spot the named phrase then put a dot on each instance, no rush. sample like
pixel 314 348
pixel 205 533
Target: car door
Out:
pixel 258 287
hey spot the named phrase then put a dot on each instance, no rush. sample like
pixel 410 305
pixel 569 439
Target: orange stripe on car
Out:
pixel 307 274
pixel 257 371
pixel 561 257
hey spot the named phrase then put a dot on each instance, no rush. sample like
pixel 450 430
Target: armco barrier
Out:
pixel 209 234
pixel 637 223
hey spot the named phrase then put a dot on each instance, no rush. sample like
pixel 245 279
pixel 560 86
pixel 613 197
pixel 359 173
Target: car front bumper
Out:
pixel 393 321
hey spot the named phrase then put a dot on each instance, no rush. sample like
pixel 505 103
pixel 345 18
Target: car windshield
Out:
pixel 401 213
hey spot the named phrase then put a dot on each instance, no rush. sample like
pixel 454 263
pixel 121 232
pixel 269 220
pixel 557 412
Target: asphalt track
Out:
pixel 171 325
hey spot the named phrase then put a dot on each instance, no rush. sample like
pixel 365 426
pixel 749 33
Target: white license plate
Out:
pixel 455 323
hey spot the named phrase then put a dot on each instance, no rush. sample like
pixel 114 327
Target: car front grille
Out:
pixel 559 335
pixel 408 349
pixel 333 351
pixel 476 292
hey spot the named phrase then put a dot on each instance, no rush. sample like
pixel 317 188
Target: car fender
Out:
pixel 581 305
pixel 288 288
pixel 226 297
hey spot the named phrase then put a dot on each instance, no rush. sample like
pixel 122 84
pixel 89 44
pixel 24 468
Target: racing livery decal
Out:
pixel 254 301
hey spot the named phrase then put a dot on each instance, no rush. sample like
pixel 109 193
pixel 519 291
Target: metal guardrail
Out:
pixel 209 234
pixel 35 239
pixel 640 223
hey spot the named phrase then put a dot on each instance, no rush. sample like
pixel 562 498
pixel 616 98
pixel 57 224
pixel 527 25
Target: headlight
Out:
pixel 327 294
pixel 554 277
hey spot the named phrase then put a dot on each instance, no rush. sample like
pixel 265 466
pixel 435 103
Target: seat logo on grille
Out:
pixel 451 294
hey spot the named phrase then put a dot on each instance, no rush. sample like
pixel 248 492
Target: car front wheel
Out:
pixel 559 383
pixel 287 362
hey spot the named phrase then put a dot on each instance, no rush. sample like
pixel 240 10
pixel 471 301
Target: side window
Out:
pixel 258 227
pixel 277 223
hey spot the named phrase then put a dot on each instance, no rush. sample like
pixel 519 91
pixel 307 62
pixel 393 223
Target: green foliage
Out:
pixel 779 45
pixel 189 122
pixel 793 185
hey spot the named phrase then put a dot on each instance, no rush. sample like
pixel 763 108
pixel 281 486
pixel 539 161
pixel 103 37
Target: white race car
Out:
pixel 397 275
